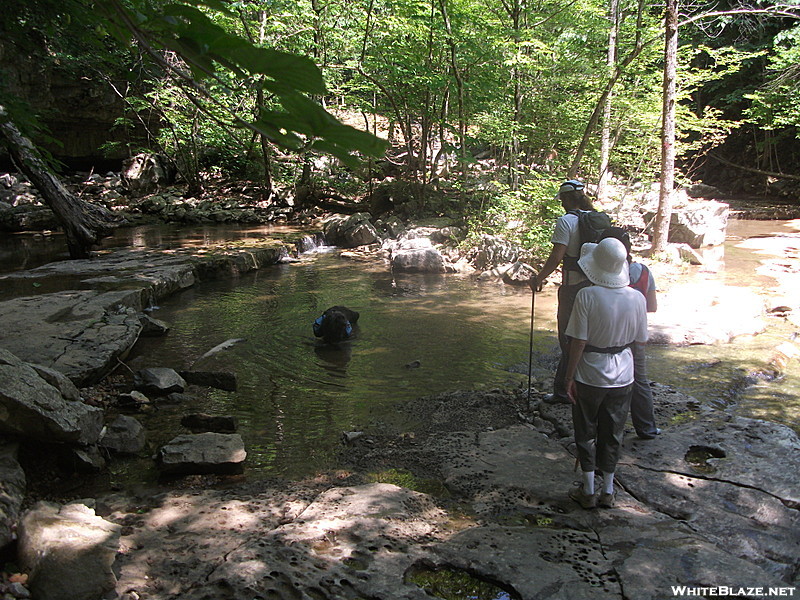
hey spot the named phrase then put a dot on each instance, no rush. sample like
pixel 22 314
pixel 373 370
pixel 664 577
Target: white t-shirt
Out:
pixel 566 233
pixel 606 317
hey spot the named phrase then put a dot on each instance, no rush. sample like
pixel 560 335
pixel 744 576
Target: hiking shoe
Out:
pixel 585 500
pixel 607 500
pixel 649 436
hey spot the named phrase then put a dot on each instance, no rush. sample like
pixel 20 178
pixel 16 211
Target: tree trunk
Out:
pixel 605 136
pixel 664 215
pixel 84 224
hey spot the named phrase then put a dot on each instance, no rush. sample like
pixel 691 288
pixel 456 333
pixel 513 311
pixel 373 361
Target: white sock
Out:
pixel 588 483
pixel 608 483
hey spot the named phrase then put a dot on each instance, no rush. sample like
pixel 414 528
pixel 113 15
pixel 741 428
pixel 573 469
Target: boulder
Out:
pixel 80 333
pixel 59 381
pixel 203 453
pixel 418 260
pixel 201 423
pixel 697 224
pixel 30 407
pixel 124 435
pixel 519 274
pixel 350 231
pixel 701 190
pixel 12 492
pixel 144 172
pixel 159 381
pixel 68 552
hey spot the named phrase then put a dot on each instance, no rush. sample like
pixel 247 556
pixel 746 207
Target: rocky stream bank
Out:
pixel 472 503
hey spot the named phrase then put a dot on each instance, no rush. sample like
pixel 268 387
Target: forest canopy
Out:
pixel 493 100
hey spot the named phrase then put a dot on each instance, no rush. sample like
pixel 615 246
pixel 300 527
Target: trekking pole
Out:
pixel 530 348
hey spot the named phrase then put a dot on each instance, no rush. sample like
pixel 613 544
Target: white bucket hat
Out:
pixel 605 263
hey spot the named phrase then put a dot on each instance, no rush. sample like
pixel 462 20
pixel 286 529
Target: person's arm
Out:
pixel 550 265
pixel 576 348
pixel 652 301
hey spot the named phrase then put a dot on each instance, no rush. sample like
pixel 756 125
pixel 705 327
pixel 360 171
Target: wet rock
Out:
pixel 418 260
pixel 705 313
pixel 201 423
pixel 221 380
pixel 203 453
pixel 68 552
pixel 133 400
pixel 152 327
pixel 124 435
pixel 32 408
pixel 350 231
pixel 12 492
pixel 159 381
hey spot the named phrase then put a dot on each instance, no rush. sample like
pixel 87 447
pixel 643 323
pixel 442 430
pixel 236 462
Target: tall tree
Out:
pixel 664 214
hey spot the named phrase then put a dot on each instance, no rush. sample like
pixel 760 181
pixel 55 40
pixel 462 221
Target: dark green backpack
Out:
pixel 591 226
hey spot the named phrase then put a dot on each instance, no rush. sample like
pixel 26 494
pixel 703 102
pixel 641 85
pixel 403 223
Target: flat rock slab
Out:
pixel 78 333
pixel 742 523
pixel 82 331
pixel 201 453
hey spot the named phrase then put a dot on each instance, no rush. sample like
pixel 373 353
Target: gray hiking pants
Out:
pixel 642 416
pixel 598 418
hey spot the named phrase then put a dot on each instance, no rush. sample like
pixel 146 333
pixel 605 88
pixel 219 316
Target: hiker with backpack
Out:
pixel 641 279
pixel 580 224
pixel 608 319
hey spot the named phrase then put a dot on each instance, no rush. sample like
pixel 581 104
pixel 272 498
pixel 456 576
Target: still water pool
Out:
pixel 418 335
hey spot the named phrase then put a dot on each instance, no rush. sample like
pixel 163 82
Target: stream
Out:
pixel 418 335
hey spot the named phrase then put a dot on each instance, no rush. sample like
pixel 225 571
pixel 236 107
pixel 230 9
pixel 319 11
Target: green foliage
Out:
pixel 220 60
pixel 525 216
pixel 776 104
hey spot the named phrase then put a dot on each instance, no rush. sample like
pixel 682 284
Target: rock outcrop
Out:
pixel 33 408
pixel 68 552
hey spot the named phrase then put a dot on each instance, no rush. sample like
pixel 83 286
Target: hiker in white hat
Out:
pixel 607 319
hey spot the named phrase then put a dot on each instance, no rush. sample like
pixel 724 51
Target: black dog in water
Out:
pixel 336 324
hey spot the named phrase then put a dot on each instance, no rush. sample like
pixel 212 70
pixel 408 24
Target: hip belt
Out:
pixel 608 350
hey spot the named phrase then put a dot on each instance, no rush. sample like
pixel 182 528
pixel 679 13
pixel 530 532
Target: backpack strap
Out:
pixel 643 282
